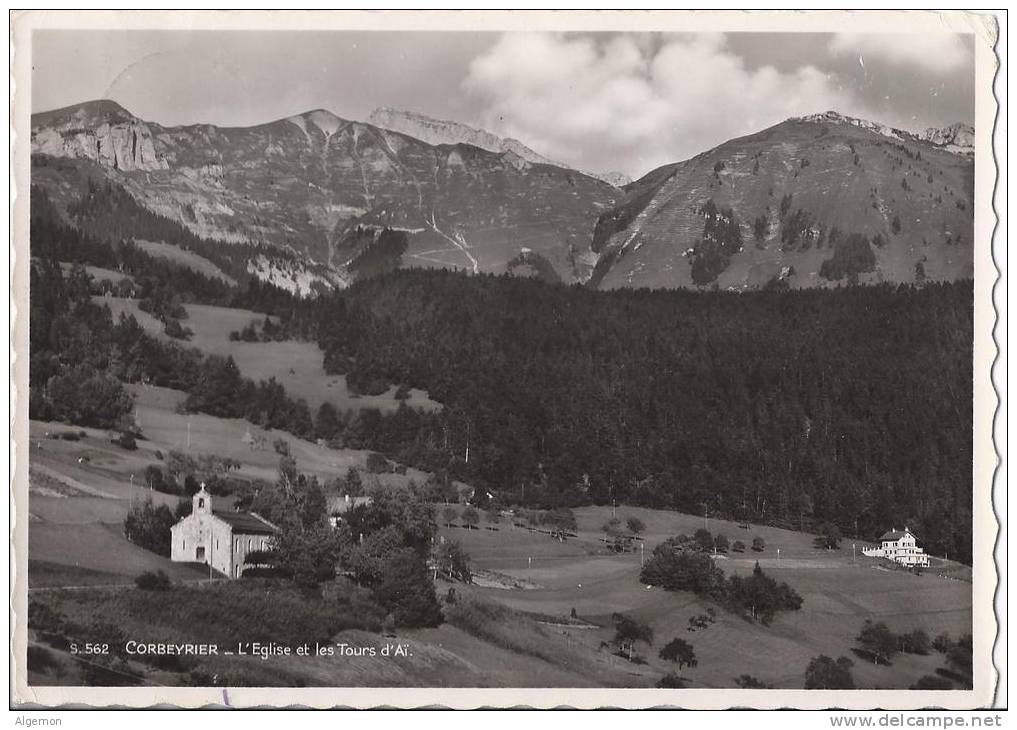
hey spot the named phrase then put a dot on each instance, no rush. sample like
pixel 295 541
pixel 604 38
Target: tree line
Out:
pixel 850 407
pixel 791 408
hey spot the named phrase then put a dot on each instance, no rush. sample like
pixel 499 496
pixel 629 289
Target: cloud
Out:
pixel 616 103
pixel 935 52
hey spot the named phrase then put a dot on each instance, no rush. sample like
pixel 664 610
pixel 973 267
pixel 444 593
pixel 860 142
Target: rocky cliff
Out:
pixel 309 182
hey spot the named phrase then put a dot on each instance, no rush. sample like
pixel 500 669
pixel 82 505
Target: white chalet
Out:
pixel 899 546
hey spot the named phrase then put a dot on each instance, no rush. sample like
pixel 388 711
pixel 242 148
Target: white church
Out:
pixel 900 547
pixel 219 538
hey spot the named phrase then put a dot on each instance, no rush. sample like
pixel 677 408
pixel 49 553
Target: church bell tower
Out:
pixel 201 503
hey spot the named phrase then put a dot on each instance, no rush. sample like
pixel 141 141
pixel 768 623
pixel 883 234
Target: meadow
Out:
pixel 840 591
pixel 297 365
pixel 512 627
pixel 184 257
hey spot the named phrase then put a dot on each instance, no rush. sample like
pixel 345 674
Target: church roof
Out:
pixel 247 523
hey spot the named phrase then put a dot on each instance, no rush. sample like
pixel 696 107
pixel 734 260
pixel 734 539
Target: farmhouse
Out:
pixel 336 507
pixel 900 547
pixel 222 539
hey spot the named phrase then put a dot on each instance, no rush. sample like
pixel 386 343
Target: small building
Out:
pixel 901 547
pixel 337 507
pixel 220 538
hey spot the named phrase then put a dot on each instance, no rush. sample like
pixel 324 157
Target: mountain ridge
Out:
pixel 777 206
pixel 444 131
pixel 314 182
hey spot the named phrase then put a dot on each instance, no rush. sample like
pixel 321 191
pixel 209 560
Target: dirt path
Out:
pixel 458 241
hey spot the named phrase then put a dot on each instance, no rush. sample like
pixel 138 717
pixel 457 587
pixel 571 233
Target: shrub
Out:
pixel 89 397
pixel 153 581
pixel 852 255
pixel 680 652
pixel 761 595
pixel 612 527
pixel 675 569
pixel 942 643
pixel 451 560
pixel 177 331
pixel 703 539
pixel 406 591
pixel 376 463
pixel 876 640
pixel 829 537
pixel 629 632
pixel 747 681
pixel 672 681
pixel 471 518
pixel 127 441
pixel 825 673
pixel 149 527
pixel 758 544
pixel 914 642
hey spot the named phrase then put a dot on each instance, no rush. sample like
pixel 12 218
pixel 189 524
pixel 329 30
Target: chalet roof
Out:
pixel 894 534
pixel 246 523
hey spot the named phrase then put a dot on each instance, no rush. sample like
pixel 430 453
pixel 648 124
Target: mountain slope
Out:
pixel 796 193
pixel 313 183
pixel 441 131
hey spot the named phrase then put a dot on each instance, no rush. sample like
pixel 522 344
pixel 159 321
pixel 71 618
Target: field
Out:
pixel 80 491
pixel 98 273
pixel 839 593
pixel 185 258
pixel 296 365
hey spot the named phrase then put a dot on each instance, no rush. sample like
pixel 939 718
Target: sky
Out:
pixel 600 102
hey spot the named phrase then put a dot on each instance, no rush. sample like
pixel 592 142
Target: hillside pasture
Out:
pixel 297 365
pixel 98 273
pixel 81 490
pixel 840 592
pixel 185 258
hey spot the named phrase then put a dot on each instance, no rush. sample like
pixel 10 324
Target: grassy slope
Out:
pixel 97 272
pixel 296 365
pixel 185 258
pixel 839 595
pixel 75 539
pixel 77 507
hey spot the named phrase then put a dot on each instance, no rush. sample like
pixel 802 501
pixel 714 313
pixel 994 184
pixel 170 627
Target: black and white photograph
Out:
pixel 575 354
